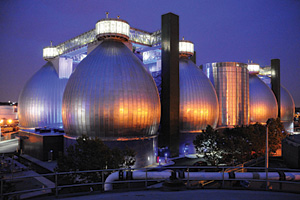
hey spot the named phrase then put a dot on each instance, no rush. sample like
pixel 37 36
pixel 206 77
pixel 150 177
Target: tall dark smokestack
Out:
pixel 169 134
pixel 275 80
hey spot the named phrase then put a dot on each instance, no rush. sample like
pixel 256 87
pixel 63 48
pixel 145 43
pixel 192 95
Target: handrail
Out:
pixel 153 168
pixel 147 179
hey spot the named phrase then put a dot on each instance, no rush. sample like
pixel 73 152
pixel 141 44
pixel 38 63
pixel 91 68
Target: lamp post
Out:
pixel 267 152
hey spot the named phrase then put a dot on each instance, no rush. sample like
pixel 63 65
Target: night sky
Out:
pixel 222 30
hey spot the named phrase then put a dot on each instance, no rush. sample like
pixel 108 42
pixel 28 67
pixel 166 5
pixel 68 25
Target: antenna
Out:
pixel 118 16
pixel 107 14
pixel 50 43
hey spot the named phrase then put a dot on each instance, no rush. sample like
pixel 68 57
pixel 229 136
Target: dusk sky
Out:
pixel 222 30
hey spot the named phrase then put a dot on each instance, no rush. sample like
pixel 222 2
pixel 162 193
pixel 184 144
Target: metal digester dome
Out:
pixel 40 101
pixel 287 109
pixel 110 94
pixel 198 99
pixel 263 104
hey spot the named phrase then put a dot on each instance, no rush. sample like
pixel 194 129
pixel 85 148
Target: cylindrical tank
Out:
pixel 40 101
pixel 110 95
pixel 287 109
pixel 263 104
pixel 231 81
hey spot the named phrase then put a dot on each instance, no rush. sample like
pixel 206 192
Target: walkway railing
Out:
pixel 94 180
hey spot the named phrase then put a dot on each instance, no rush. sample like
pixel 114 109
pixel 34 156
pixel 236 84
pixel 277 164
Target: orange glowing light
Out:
pixel 9 121
pixel 1 121
pixel 133 138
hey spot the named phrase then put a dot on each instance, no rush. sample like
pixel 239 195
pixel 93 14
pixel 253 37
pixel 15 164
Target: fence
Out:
pixel 94 180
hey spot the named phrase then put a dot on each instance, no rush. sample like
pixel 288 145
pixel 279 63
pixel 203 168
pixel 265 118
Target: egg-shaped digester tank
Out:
pixel 40 101
pixel 287 109
pixel 198 99
pixel 263 104
pixel 110 95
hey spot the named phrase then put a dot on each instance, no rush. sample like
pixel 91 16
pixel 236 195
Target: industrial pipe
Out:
pixel 138 175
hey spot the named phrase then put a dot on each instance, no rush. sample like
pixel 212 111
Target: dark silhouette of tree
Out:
pixel 236 145
pixel 276 134
pixel 208 145
pixel 92 154
pixel 239 144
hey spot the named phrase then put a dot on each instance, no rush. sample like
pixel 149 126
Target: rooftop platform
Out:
pixel 189 194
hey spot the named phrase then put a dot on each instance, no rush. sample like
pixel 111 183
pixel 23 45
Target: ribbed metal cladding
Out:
pixel 40 101
pixel 263 104
pixel 111 95
pixel 231 81
pixel 287 107
pixel 198 99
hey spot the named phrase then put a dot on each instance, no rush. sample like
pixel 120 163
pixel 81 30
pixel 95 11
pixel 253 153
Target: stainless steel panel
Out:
pixel 40 101
pixel 231 81
pixel 287 107
pixel 263 104
pixel 198 99
pixel 111 95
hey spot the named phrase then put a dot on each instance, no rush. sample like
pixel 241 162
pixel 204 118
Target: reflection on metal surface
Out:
pixel 263 104
pixel 41 99
pixel 287 109
pixel 287 106
pixel 198 99
pixel 231 81
pixel 111 95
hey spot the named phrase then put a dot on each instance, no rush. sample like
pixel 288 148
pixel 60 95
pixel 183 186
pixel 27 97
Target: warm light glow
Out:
pixel 198 100
pixel 9 121
pixel 262 101
pixel 139 114
pixel 50 52
pixel 186 47
pixel 131 138
pixel 1 121
pixel 231 81
pixel 112 26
